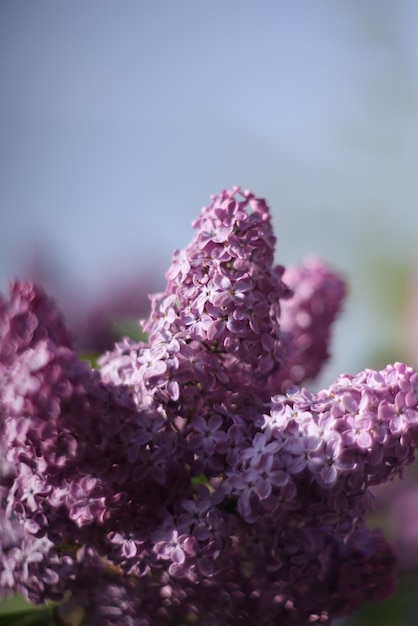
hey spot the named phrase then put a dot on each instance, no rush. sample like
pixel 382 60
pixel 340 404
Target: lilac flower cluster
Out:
pixel 307 317
pixel 188 479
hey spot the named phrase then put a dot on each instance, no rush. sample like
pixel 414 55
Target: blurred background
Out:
pixel 118 120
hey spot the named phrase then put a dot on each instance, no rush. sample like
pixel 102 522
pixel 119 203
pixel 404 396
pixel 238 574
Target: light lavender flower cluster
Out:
pixel 188 479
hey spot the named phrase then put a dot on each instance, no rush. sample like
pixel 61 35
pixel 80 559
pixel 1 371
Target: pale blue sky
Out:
pixel 119 119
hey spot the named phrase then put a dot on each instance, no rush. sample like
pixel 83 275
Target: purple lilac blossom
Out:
pixel 215 330
pixel 172 485
pixel 318 294
pixel 79 448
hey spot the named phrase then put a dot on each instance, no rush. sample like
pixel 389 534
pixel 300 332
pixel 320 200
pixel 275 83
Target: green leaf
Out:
pixel 199 480
pixel 14 604
pixel 29 617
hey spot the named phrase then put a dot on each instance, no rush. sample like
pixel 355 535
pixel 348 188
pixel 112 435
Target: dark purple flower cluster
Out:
pixel 307 317
pixel 173 485
pixel 215 331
